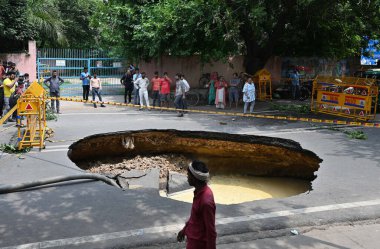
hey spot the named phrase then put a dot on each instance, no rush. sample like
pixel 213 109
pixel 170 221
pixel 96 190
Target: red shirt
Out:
pixel 165 85
pixel 220 84
pixel 156 83
pixel 200 229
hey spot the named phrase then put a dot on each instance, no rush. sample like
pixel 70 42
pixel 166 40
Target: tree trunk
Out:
pixel 255 58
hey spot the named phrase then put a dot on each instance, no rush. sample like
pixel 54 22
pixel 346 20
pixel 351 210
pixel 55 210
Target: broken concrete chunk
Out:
pixel 177 182
pixel 140 179
pixel 133 174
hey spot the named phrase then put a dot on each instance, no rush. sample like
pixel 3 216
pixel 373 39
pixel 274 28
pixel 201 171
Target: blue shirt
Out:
pixel 136 76
pixel 85 80
pixel 295 79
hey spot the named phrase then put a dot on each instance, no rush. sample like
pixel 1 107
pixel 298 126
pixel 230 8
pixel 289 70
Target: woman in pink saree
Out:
pixel 220 97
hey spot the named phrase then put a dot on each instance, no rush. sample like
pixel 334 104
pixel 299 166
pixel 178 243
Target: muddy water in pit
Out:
pixel 234 189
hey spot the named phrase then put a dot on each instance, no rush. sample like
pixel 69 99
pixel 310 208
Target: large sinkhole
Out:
pixel 242 167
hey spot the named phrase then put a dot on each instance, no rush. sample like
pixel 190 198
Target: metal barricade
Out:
pixel 263 82
pixel 349 97
pixel 31 106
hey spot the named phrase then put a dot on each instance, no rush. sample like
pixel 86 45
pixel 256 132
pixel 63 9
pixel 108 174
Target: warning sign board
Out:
pixel 35 89
pixel 28 106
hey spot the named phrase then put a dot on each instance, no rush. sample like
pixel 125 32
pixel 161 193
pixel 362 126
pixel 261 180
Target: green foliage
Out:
pixel 15 29
pixel 52 23
pixel 354 134
pixel 75 21
pixel 258 29
pixel 304 109
pixel 50 115
pixel 11 149
pixel 44 17
pixel 175 27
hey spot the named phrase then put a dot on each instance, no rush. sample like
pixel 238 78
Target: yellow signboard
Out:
pixel 28 106
pixel 35 89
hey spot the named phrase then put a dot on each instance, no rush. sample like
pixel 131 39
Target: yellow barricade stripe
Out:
pixel 310 120
pixel 6 116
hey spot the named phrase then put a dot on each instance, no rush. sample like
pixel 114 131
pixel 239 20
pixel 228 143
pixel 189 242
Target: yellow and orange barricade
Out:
pixel 349 97
pixel 31 106
pixel 263 82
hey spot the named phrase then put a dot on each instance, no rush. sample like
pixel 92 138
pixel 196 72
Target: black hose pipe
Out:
pixel 21 186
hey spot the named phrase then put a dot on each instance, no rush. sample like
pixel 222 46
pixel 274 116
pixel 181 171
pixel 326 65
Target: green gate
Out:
pixel 69 64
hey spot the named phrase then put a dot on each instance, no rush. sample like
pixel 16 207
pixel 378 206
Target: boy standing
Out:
pixel 95 88
pixel 85 78
pixel 165 89
pixel 156 82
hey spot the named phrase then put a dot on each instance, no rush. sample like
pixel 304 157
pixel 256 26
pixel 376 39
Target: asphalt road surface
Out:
pixel 89 214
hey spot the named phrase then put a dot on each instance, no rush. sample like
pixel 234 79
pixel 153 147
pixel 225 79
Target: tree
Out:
pixel 75 15
pixel 45 18
pixel 14 27
pixel 257 29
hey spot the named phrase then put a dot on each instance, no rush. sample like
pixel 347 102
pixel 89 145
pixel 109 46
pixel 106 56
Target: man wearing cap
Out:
pixel 200 228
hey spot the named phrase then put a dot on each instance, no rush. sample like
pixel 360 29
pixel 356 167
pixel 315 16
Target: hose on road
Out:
pixel 21 186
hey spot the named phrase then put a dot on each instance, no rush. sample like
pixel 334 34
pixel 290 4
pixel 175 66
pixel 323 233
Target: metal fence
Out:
pixel 69 64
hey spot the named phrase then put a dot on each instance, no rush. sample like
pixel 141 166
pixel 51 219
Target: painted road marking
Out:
pixel 54 150
pixel 115 113
pixel 58 146
pixel 174 228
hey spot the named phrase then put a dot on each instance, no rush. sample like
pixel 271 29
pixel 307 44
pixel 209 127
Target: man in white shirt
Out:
pixel 136 97
pixel 142 85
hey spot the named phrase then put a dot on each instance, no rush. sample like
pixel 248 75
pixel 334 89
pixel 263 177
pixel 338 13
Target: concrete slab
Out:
pixel 140 179
pixel 177 182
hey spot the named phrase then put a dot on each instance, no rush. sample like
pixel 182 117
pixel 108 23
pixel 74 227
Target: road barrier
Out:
pixel 349 97
pixel 32 107
pixel 8 114
pixel 262 79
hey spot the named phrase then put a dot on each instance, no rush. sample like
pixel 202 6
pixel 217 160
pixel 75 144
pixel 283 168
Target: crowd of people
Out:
pixel 12 86
pixel 219 89
pixel 137 84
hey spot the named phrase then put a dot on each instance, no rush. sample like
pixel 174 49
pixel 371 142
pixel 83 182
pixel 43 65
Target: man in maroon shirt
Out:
pixel 200 228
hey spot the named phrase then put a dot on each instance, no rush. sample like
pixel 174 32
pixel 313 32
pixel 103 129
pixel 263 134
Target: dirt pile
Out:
pixel 165 163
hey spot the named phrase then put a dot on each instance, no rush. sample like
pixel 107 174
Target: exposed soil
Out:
pixel 223 153
pixel 117 166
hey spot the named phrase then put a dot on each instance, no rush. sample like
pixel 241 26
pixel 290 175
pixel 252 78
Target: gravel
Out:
pixel 116 166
